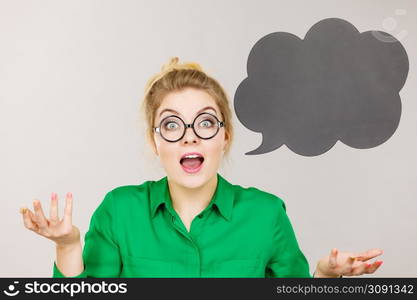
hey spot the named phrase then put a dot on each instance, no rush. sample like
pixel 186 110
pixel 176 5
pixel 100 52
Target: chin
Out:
pixel 192 181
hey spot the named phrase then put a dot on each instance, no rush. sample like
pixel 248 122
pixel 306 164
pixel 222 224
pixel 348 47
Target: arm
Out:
pixel 101 256
pixel 61 231
pixel 287 260
pixel 69 258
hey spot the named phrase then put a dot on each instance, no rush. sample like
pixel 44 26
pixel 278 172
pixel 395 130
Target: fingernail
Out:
pixel 379 263
pixel 368 265
pixel 70 194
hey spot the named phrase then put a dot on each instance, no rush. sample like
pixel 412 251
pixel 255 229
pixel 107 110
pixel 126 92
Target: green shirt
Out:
pixel 243 232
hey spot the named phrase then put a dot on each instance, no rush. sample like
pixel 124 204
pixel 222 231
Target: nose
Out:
pixel 190 136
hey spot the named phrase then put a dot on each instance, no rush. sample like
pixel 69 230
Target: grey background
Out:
pixel 72 74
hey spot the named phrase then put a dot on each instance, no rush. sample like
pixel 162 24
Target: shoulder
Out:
pixel 258 207
pixel 127 195
pixel 259 198
pixel 129 190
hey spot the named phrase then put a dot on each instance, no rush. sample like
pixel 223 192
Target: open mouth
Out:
pixel 192 164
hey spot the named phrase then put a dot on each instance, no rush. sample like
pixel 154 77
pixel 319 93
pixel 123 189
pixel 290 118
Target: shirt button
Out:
pixel 200 216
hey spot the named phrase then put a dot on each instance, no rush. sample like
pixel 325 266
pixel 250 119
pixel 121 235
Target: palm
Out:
pixel 61 231
pixel 348 263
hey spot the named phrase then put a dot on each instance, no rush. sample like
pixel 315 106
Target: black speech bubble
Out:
pixel 336 84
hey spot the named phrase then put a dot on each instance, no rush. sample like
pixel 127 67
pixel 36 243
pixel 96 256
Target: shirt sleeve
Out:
pixel 101 255
pixel 287 259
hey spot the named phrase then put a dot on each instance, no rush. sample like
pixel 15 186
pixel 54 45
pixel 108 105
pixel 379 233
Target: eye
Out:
pixel 171 125
pixel 206 123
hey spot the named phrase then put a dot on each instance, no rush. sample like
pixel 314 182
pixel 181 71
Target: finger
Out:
pixel 27 220
pixel 68 208
pixel 33 219
pixel 53 213
pixel 364 256
pixel 371 268
pixel 360 269
pixel 39 216
pixel 347 268
pixel 333 258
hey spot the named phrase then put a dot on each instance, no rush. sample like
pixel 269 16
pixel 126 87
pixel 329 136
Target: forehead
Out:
pixel 187 102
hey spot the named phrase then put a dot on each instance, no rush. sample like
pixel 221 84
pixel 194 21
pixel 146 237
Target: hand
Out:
pixel 60 231
pixel 339 264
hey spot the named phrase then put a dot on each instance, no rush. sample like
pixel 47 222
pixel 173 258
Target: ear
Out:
pixel 155 149
pixel 154 146
pixel 226 141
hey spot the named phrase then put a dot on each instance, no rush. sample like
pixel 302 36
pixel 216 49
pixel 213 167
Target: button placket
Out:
pixel 179 228
pixel 197 271
pixel 198 224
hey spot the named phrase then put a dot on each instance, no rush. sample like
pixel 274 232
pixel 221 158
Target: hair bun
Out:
pixel 170 66
pixel 173 64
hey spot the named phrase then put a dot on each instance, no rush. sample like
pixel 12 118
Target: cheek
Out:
pixel 167 153
pixel 168 161
pixel 215 147
pixel 164 148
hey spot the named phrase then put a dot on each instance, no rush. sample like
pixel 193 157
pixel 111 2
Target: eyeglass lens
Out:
pixel 172 128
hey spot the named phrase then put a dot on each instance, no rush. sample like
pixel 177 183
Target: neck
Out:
pixel 191 201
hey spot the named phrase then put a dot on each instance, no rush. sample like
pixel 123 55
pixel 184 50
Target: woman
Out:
pixel 192 222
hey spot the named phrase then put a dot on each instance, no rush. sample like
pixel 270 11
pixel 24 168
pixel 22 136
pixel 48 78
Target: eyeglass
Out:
pixel 172 128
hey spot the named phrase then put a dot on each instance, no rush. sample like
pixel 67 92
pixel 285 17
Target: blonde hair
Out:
pixel 176 77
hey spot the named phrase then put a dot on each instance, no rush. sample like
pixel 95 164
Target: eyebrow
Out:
pixel 174 111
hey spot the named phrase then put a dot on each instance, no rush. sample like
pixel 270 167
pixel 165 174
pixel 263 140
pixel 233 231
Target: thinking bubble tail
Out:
pixel 268 145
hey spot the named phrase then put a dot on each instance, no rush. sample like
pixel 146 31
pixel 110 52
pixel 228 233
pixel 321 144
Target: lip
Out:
pixel 191 153
pixel 192 171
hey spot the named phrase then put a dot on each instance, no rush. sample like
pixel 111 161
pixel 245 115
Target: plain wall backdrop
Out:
pixel 72 75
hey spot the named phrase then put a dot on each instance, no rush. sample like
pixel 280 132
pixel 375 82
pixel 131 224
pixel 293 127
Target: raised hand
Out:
pixel 348 264
pixel 60 231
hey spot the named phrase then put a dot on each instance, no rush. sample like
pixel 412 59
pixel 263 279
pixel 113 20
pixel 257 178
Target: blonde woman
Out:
pixel 192 222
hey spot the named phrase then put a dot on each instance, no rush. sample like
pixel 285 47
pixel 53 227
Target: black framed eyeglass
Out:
pixel 205 125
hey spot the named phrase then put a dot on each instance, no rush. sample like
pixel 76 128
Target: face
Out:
pixel 187 104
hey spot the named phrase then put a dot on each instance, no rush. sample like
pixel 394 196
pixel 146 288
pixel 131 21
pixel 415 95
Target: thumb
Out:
pixel 333 258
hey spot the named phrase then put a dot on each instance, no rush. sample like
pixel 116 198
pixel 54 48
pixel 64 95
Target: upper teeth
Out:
pixel 191 156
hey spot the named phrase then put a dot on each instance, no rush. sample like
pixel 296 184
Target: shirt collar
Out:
pixel 223 197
